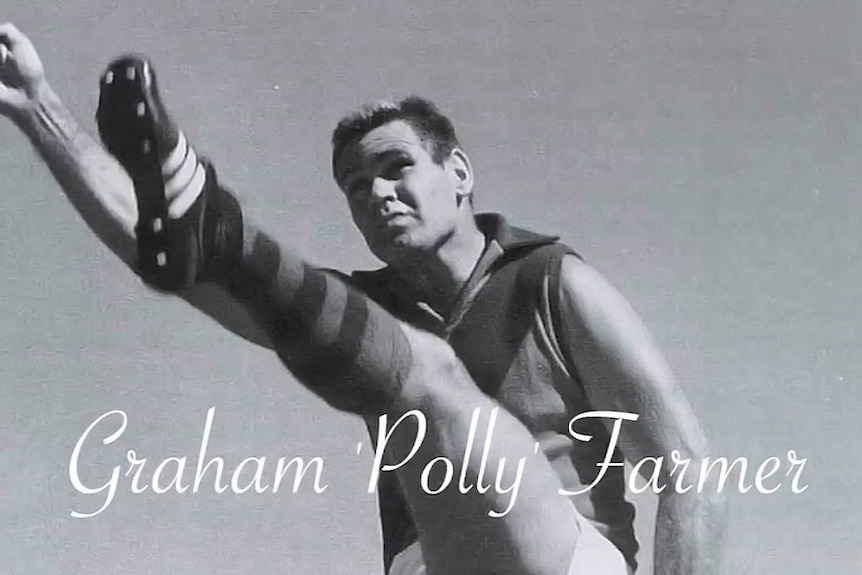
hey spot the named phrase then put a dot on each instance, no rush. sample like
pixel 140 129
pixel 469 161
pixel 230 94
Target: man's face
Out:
pixel 400 199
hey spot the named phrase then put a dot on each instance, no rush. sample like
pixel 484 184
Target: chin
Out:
pixel 397 250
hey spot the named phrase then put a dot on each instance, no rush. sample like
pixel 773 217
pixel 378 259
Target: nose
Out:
pixel 382 190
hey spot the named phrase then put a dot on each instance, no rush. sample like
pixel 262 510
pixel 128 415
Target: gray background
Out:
pixel 703 155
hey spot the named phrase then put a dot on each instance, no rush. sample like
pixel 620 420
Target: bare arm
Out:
pixel 98 187
pixel 335 340
pixel 93 181
pixel 622 370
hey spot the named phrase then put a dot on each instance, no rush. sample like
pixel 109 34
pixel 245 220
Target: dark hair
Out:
pixel 433 128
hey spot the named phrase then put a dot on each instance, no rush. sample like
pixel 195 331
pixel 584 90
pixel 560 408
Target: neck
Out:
pixel 439 275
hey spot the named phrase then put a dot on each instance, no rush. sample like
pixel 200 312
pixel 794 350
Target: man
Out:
pixel 539 331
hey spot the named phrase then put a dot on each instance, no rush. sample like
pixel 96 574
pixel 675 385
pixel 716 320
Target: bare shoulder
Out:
pixel 622 368
pixel 591 300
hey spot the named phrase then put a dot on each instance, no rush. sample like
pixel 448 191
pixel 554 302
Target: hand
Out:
pixel 22 75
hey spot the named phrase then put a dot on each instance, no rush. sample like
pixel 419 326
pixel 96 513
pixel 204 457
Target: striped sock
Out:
pixel 184 176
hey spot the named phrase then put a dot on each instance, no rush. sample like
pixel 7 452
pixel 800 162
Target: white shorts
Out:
pixel 594 555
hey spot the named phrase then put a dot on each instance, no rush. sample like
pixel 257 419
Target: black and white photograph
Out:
pixel 431 288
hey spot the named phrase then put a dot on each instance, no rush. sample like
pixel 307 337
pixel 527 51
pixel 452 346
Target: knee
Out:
pixel 434 358
pixel 437 378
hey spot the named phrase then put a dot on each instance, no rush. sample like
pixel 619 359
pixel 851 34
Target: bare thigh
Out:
pixel 459 531
pixel 594 555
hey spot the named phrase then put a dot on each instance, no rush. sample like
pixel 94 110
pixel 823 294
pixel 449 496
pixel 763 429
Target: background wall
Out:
pixel 703 155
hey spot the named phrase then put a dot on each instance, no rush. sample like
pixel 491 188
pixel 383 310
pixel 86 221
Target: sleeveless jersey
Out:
pixel 504 331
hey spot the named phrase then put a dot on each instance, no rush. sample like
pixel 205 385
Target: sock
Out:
pixel 333 338
pixel 184 175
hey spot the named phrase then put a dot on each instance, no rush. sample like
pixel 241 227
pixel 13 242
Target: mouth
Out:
pixel 389 221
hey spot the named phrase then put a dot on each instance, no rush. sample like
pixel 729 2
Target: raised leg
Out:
pixel 346 349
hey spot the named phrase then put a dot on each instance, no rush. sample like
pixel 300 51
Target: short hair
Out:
pixel 434 129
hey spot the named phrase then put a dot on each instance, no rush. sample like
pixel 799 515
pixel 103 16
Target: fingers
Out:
pixel 10 35
pixel 19 62
pixel 20 68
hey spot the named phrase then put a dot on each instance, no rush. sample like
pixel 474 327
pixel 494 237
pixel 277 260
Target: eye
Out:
pixel 357 187
pixel 395 168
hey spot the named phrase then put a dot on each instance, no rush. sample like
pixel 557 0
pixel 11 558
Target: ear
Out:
pixel 461 172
